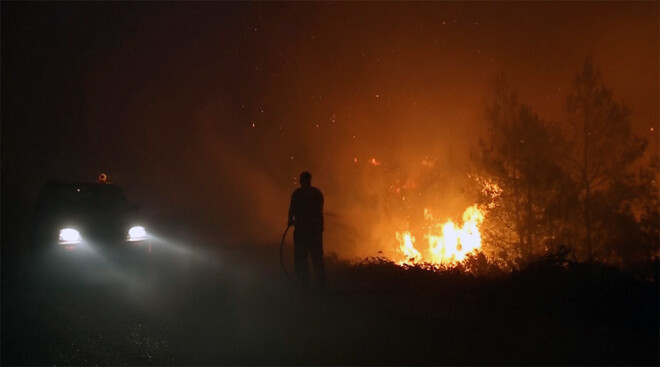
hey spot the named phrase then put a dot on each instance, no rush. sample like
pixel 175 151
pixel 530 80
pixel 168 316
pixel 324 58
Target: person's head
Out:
pixel 305 179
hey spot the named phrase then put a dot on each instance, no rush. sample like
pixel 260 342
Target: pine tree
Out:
pixel 603 149
pixel 519 155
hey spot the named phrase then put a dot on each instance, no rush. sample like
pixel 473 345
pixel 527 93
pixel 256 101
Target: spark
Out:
pixel 374 162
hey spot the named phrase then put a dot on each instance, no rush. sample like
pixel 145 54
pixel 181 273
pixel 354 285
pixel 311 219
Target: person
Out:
pixel 306 215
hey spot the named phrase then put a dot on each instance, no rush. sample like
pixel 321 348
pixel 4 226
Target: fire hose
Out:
pixel 282 253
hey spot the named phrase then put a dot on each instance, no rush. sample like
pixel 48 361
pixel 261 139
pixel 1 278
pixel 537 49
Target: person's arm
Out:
pixel 322 216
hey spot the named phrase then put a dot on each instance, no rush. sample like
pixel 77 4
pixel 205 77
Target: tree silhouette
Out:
pixel 602 151
pixel 584 186
pixel 520 156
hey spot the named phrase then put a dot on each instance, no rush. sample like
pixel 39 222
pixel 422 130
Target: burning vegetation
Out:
pixel 448 242
pixel 537 188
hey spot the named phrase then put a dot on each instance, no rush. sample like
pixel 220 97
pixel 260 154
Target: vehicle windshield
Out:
pixel 102 197
pixel 86 197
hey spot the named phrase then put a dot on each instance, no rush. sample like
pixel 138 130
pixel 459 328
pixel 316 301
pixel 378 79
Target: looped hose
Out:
pixel 282 253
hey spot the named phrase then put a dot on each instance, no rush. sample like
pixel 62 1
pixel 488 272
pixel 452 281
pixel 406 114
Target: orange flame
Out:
pixel 407 248
pixel 447 242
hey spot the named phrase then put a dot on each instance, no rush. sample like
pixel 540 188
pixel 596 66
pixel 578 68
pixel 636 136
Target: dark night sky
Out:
pixel 209 110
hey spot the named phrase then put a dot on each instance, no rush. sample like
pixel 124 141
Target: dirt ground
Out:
pixel 234 306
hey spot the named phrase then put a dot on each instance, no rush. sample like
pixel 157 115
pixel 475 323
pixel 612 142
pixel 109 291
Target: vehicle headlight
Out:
pixel 69 236
pixel 137 233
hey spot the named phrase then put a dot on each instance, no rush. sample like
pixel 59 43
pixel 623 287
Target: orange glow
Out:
pixel 489 189
pixel 374 162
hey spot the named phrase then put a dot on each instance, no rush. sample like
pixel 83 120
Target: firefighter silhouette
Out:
pixel 306 215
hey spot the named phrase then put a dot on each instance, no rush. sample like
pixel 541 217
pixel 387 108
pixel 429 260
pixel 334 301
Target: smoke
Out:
pixel 216 137
pixel 207 113
pixel 228 115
